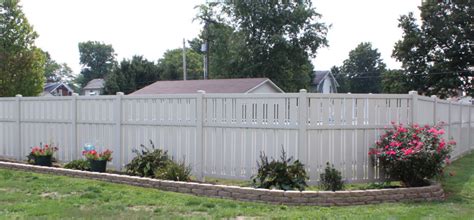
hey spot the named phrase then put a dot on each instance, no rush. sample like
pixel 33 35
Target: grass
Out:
pixel 28 195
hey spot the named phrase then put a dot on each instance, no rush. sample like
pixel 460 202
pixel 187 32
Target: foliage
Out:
pixel 43 150
pixel 98 60
pixel 361 72
pixel 413 154
pixel 331 179
pixel 264 39
pixel 171 65
pixel 55 72
pixel 78 165
pixel 174 171
pixel 21 62
pixel 131 75
pixel 95 155
pixel 437 55
pixel 146 161
pixel 284 174
pixel 395 81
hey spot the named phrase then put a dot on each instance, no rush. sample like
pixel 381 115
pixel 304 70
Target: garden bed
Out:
pixel 320 198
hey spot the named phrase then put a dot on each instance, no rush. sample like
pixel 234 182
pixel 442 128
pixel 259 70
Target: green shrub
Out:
pixel 78 165
pixel 331 179
pixel 147 161
pixel 174 171
pixel 282 174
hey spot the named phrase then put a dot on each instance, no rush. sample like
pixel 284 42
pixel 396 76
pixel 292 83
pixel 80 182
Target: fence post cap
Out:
pixel 303 91
pixel 434 96
pixel 75 94
pixel 18 95
pixel 413 92
pixel 120 93
pixel 201 91
pixel 449 99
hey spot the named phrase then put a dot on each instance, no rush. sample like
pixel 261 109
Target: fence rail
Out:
pixel 222 135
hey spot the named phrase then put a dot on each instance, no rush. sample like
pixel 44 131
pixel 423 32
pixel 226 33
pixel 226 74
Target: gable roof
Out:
pixel 49 87
pixel 95 84
pixel 320 75
pixel 243 85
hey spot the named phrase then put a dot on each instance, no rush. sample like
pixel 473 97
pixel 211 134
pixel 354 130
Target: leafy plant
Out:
pixel 331 179
pixel 80 164
pixel 147 161
pixel 43 150
pixel 284 174
pixel 413 154
pixel 174 171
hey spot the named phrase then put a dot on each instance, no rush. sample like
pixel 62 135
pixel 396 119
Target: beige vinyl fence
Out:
pixel 222 135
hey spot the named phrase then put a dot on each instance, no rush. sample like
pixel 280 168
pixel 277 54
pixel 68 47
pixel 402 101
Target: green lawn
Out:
pixel 26 195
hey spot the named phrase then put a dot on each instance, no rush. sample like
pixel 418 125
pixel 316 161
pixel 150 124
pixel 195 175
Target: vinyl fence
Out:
pixel 222 135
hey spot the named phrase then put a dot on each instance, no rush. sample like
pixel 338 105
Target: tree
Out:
pixel 97 59
pixel 395 81
pixel 55 72
pixel 171 65
pixel 21 62
pixel 131 75
pixel 265 39
pixel 437 55
pixel 361 72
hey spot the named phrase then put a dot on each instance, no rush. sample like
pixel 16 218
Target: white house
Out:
pixel 324 82
pixel 94 87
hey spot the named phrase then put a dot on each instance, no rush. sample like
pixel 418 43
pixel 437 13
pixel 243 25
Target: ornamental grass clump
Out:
pixel 413 154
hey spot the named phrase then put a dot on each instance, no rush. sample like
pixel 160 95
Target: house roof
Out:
pixel 243 85
pixel 49 87
pixel 95 84
pixel 319 76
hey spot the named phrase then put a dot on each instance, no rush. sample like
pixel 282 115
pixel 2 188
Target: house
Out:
pixel 324 82
pixel 94 87
pixel 57 89
pixel 243 85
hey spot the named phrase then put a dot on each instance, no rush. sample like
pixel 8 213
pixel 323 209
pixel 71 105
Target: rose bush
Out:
pixel 413 154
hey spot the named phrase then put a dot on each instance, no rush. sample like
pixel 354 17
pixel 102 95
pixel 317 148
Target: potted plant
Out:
pixel 42 155
pixel 98 160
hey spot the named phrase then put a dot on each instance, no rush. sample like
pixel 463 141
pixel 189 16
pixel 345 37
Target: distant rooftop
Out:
pixel 95 84
pixel 243 85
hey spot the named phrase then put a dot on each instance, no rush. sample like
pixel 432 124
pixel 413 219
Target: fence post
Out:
pixel 302 124
pixel 414 107
pixel 18 150
pixel 449 117
pixel 74 127
pixel 118 131
pixel 435 105
pixel 199 135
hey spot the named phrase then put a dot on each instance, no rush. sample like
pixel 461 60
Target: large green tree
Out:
pixel 361 72
pixel 57 72
pixel 131 75
pixel 265 39
pixel 21 62
pixel 171 65
pixel 437 56
pixel 395 81
pixel 97 60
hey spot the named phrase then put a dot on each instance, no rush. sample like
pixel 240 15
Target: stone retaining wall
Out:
pixel 319 198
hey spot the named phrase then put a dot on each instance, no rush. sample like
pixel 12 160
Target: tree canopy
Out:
pixel 21 62
pixel 264 39
pixel 171 65
pixel 97 60
pixel 437 56
pixel 361 72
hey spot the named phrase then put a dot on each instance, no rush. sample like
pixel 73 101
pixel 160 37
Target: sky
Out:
pixel 150 27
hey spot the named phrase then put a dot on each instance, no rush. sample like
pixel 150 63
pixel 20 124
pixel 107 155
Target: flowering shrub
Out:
pixel 94 155
pixel 413 154
pixel 43 150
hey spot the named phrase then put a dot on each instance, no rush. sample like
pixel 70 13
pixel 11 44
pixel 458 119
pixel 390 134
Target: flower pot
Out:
pixel 43 160
pixel 98 165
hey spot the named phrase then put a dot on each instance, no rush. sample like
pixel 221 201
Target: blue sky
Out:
pixel 150 27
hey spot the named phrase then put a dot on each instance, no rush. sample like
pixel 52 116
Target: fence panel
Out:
pixel 222 135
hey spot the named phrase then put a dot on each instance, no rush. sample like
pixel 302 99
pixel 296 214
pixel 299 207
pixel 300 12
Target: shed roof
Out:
pixel 243 85
pixel 95 84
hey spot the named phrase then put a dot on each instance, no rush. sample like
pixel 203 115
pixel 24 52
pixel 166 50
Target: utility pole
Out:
pixel 205 49
pixel 184 59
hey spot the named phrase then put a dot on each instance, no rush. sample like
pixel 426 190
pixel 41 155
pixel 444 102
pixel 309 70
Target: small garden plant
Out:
pixel 174 171
pixel 413 154
pixel 147 161
pixel 80 164
pixel 284 174
pixel 42 155
pixel 97 160
pixel 331 179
